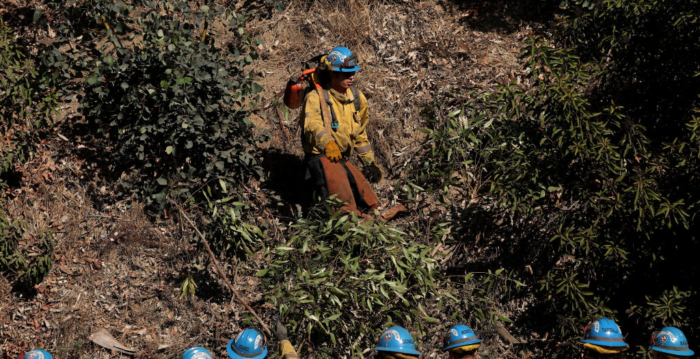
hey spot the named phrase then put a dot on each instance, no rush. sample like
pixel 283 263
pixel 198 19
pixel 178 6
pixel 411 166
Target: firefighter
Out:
pixel 670 343
pixel 397 343
pixel 333 131
pixel 461 342
pixel 602 338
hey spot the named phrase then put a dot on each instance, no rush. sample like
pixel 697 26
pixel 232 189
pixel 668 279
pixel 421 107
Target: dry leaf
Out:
pixel 106 340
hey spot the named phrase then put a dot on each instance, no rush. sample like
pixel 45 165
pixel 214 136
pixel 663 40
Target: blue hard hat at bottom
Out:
pixel 197 353
pixel 249 344
pixel 397 340
pixel 603 332
pixel 458 336
pixel 671 340
pixel 37 354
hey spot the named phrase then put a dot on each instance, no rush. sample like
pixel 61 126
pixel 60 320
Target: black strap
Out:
pixel 355 98
pixel 334 118
pixel 355 102
pixel 353 183
pixel 318 175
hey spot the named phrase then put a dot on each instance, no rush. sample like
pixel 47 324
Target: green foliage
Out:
pixel 648 53
pixel 580 172
pixel 670 307
pixel 31 262
pixel 26 102
pixel 188 287
pixel 173 111
pixel 345 281
pixel 226 229
pixel 278 5
pixel 483 298
pixel 80 26
pixel 75 18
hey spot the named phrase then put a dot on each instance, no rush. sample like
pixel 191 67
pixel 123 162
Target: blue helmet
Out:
pixel 37 354
pixel 670 340
pixel 341 59
pixel 603 332
pixel 197 353
pixel 458 336
pixel 397 340
pixel 249 344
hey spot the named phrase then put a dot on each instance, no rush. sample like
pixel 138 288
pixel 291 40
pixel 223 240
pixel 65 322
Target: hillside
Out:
pixel 101 239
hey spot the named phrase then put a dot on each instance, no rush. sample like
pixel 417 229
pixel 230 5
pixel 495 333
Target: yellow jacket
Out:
pixel 287 350
pixel 351 134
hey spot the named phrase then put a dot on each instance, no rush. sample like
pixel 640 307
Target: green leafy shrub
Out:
pixel 484 297
pixel 80 27
pixel 30 268
pixel 226 229
pixel 26 103
pixel 173 111
pixel 578 173
pixel 338 279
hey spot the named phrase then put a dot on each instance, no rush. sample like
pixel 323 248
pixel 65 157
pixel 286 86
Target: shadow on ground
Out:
pixel 286 174
pixel 503 15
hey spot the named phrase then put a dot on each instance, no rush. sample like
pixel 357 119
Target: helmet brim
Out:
pixel 605 344
pixel 464 344
pixel 346 69
pixel 402 351
pixel 233 355
pixel 683 353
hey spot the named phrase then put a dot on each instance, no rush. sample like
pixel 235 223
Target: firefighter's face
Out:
pixel 342 80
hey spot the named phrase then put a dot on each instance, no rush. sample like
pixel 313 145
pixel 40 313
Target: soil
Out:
pixel 122 269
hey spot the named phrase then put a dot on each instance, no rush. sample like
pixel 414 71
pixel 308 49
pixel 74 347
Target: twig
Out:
pixel 503 332
pixel 116 41
pixel 206 26
pixel 282 127
pixel 301 346
pixel 223 275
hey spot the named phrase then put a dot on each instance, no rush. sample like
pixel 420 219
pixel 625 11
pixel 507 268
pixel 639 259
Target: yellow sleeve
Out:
pixel 362 145
pixel 287 350
pixel 314 130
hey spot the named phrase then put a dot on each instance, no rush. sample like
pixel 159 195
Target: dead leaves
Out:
pixel 106 340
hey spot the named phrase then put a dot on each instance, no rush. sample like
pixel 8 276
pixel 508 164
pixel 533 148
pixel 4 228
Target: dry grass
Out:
pixel 409 51
pixel 115 268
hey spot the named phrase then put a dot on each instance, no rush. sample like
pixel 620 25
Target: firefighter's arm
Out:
pixel 287 350
pixel 362 145
pixel 314 129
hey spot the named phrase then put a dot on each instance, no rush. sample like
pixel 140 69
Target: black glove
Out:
pixel 280 331
pixel 374 173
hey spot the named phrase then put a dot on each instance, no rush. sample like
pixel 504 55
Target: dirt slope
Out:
pixel 409 51
pixel 117 269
